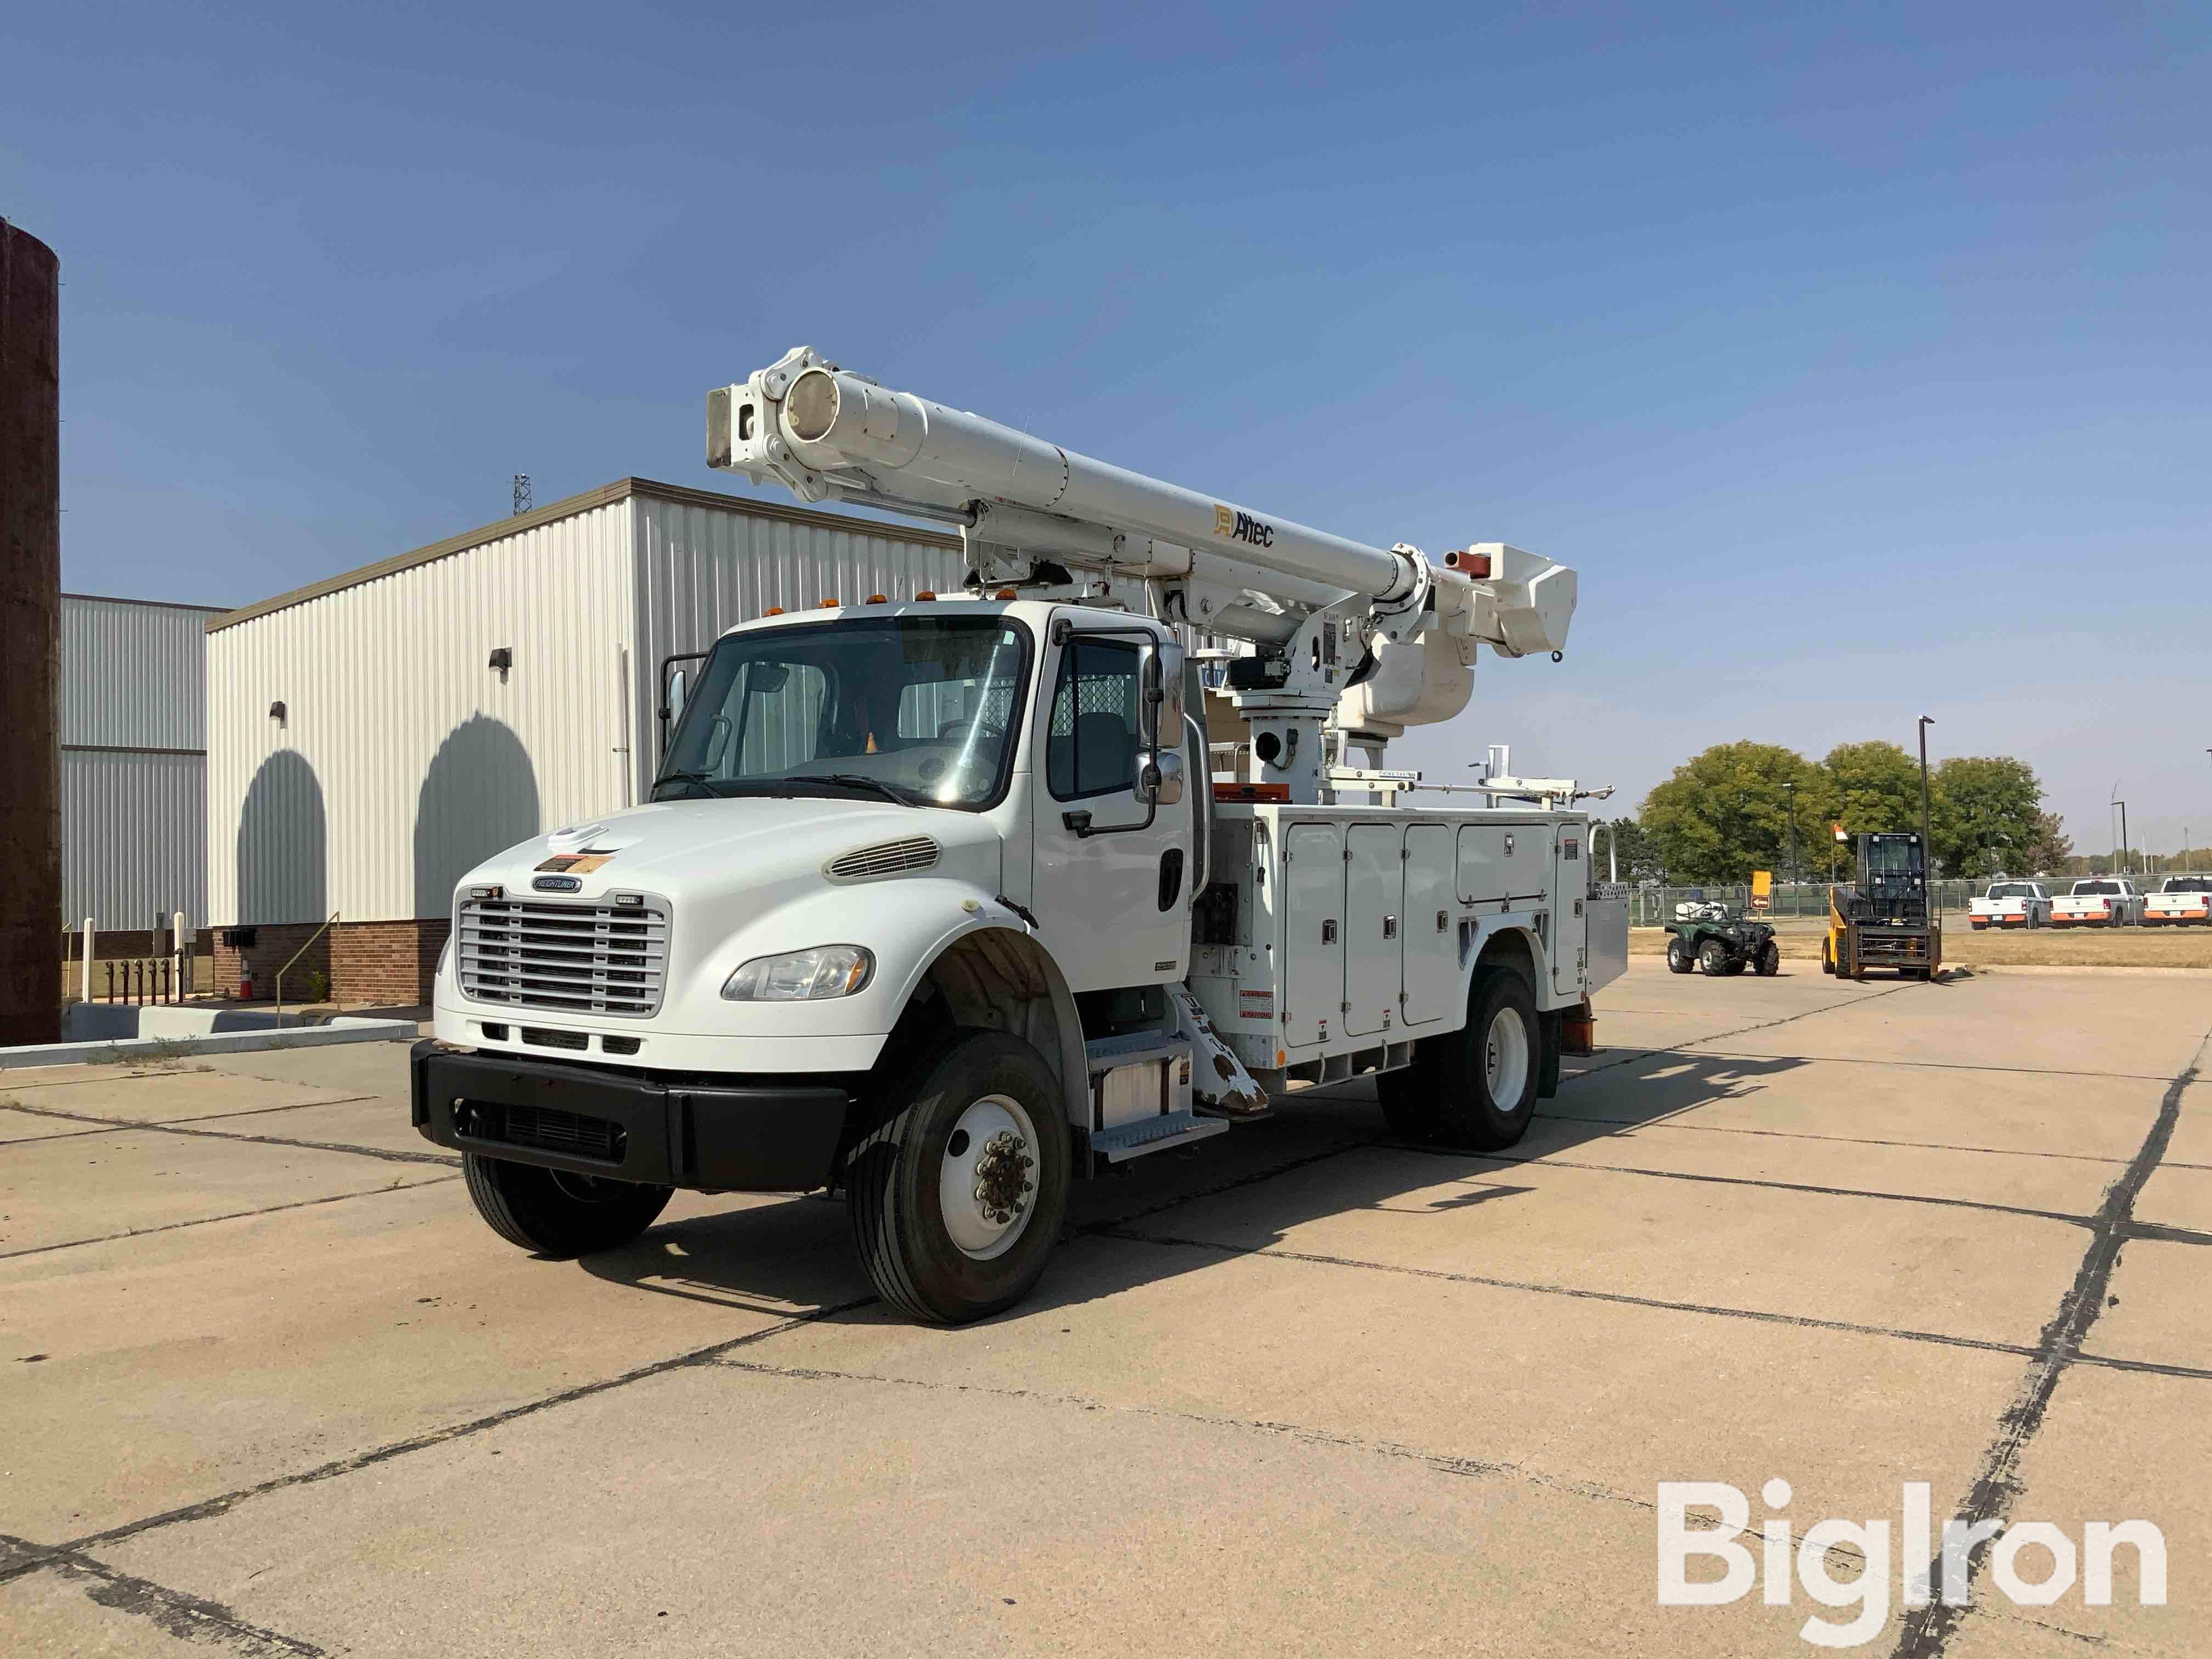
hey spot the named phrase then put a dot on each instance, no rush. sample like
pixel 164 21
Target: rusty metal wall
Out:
pixel 30 600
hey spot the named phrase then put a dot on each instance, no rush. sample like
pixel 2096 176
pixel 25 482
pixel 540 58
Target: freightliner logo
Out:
pixel 1242 526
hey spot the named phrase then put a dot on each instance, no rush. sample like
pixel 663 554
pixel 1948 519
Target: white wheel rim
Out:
pixel 986 1184
pixel 1506 1059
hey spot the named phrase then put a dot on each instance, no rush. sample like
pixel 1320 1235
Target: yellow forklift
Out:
pixel 1884 918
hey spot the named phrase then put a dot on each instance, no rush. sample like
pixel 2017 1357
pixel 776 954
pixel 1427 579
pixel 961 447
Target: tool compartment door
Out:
pixel 1374 885
pixel 1569 908
pixel 1313 932
pixel 1430 957
pixel 1483 872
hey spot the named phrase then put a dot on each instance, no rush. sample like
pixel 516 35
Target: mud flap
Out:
pixel 1550 1028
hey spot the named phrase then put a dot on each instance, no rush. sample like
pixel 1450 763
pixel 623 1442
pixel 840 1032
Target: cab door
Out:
pixel 1108 889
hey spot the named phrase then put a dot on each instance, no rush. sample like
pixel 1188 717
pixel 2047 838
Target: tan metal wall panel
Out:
pixel 702 570
pixel 133 675
pixel 134 838
pixel 403 759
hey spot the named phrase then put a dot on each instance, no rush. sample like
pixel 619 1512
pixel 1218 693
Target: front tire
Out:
pixel 1713 957
pixel 1679 958
pixel 556 1213
pixel 959 1197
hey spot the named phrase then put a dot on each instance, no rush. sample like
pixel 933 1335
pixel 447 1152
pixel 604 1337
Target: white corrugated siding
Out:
pixel 403 760
pixel 134 838
pixel 132 675
pixel 703 569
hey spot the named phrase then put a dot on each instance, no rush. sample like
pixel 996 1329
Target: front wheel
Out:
pixel 1679 958
pixel 1713 957
pixel 959 1197
pixel 556 1213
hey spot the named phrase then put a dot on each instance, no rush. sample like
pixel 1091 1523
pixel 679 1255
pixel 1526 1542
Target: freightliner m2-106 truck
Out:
pixel 938 902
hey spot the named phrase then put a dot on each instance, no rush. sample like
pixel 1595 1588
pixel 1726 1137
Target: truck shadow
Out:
pixel 1323 1152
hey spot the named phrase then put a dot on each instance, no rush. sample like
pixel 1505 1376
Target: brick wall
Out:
pixel 388 963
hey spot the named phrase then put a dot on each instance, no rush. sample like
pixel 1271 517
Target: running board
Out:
pixel 1152 1134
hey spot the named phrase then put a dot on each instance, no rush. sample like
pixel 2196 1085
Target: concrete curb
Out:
pixel 116 1050
pixel 1980 969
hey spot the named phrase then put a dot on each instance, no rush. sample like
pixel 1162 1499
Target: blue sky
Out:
pixel 1857 356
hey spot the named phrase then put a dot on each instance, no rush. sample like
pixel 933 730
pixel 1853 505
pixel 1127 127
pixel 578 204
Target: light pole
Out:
pixel 1790 784
pixel 2123 805
pixel 1926 842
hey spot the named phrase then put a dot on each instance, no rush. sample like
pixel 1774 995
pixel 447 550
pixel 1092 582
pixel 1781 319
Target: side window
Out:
pixel 1091 744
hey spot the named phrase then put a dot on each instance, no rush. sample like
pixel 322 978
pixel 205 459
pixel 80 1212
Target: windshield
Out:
pixel 921 709
pixel 2013 890
pixel 2085 889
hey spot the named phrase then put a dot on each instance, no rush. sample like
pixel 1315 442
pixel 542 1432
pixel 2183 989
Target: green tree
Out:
pixel 1627 845
pixel 2051 847
pixel 1987 814
pixel 1727 811
pixel 1873 787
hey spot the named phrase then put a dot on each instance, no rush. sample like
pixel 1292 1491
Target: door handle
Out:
pixel 1328 932
pixel 1389 927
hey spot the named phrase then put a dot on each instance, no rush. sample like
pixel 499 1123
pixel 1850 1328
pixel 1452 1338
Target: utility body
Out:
pixel 2098 902
pixel 939 903
pixel 2180 902
pixel 2009 904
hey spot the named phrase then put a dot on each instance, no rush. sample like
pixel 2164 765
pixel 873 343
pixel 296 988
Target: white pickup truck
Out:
pixel 2098 902
pixel 2009 904
pixel 2180 902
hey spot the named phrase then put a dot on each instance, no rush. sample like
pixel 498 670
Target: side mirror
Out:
pixel 1159 693
pixel 1159 777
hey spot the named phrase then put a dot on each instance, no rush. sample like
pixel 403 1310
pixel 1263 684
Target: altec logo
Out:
pixel 1243 528
pixel 2057 1559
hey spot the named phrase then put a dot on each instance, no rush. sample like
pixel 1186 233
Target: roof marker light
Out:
pixel 773 610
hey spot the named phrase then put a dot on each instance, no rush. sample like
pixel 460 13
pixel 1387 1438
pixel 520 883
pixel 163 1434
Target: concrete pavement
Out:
pixel 271 1387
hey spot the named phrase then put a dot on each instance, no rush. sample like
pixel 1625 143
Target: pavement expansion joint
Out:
pixel 449 1160
pixel 207 1508
pixel 189 1618
pixel 233 1215
pixel 1998 1482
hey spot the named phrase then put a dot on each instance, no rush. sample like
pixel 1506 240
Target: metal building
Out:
pixel 133 724
pixel 372 737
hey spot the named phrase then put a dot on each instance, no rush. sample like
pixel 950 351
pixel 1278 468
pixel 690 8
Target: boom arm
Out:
pixel 1030 512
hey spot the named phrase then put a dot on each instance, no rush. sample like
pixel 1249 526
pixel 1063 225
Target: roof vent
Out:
pixel 885 858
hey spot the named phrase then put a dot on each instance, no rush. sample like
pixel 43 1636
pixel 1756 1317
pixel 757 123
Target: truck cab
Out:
pixel 2009 904
pixel 912 912
pixel 2098 901
pixel 2180 902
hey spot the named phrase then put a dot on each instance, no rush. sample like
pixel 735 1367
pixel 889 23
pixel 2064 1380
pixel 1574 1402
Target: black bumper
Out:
pixel 751 1138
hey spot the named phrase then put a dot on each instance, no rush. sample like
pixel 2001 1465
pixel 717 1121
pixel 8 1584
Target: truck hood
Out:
pixel 701 851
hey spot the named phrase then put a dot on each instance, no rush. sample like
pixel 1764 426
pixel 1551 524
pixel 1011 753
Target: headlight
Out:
pixel 827 970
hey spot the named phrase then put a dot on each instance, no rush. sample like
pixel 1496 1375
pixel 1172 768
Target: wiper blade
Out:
pixel 855 781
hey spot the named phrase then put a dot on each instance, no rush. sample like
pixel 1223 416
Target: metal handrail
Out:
pixel 297 955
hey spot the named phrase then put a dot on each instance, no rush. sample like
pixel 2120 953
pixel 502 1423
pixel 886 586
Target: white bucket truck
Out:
pixel 938 901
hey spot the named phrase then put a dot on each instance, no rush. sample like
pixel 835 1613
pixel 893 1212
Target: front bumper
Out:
pixel 774 1137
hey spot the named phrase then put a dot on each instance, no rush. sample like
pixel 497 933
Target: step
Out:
pixel 1152 1134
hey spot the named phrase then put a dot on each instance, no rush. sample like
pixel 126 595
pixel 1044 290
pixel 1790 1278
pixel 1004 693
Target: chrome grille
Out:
pixel 885 858
pixel 582 959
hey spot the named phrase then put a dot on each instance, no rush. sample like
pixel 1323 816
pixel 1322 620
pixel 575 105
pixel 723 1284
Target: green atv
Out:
pixel 1710 938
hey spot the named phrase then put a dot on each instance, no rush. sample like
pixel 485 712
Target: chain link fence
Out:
pixel 1654 906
